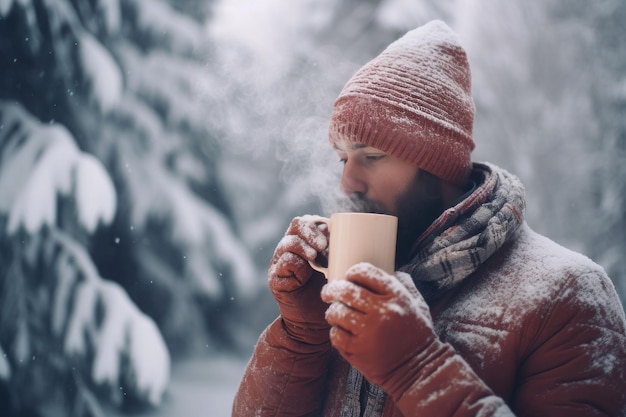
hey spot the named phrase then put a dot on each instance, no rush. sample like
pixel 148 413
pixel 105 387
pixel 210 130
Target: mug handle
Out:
pixel 315 265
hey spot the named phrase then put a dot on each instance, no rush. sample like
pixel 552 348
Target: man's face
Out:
pixel 380 183
pixel 373 178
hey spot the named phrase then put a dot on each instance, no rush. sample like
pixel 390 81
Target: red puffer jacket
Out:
pixel 537 331
pixel 534 330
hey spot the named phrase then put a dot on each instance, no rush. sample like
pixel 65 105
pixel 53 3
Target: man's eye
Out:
pixel 375 157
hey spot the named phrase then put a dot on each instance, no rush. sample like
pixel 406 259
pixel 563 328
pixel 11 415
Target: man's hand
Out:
pixel 380 323
pixel 295 285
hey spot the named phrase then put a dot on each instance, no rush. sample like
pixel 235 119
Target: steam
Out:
pixel 279 87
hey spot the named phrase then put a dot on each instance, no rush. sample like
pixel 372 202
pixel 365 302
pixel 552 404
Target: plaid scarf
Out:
pixel 453 247
pixel 466 235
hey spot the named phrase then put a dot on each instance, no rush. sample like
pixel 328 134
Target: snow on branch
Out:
pixel 102 72
pixel 101 318
pixel 5 7
pixel 5 368
pixel 108 11
pixel 38 164
pixel 200 228
pixel 166 27
pixel 80 56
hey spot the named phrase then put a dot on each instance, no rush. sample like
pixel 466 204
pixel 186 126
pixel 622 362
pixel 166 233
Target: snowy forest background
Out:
pixel 152 153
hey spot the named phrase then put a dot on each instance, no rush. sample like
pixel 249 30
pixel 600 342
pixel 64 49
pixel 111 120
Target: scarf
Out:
pixel 466 235
pixel 452 248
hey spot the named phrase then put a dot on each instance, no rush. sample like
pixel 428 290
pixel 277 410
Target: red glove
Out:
pixel 295 285
pixel 380 325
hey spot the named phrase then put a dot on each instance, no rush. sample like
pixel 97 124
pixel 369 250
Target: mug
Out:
pixel 359 237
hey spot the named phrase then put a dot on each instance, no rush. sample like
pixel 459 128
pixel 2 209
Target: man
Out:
pixel 483 317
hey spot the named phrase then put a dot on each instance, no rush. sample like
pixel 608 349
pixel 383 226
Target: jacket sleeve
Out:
pixel 573 365
pixel 445 385
pixel 283 378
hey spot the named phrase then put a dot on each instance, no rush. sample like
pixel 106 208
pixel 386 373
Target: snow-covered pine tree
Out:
pixel 108 170
pixel 60 320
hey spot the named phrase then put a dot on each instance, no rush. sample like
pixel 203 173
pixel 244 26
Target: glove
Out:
pixel 380 325
pixel 295 285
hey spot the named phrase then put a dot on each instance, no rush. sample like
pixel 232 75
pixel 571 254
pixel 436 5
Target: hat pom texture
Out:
pixel 413 101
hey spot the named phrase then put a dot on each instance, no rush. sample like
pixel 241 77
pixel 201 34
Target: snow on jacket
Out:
pixel 531 329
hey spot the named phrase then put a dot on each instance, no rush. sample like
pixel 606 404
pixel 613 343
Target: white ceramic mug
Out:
pixel 359 237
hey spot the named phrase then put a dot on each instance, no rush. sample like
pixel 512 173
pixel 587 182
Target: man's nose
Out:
pixel 352 180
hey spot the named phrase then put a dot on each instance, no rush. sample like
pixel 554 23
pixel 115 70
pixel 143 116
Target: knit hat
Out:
pixel 413 101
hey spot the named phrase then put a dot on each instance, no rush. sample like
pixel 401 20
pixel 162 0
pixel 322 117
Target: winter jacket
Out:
pixel 525 328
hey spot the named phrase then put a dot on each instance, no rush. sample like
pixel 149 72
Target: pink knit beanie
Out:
pixel 413 101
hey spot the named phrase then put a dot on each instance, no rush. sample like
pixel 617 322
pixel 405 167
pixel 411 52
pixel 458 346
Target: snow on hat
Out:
pixel 413 101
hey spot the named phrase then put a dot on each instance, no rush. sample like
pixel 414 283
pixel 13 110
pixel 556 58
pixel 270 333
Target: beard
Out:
pixel 417 207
